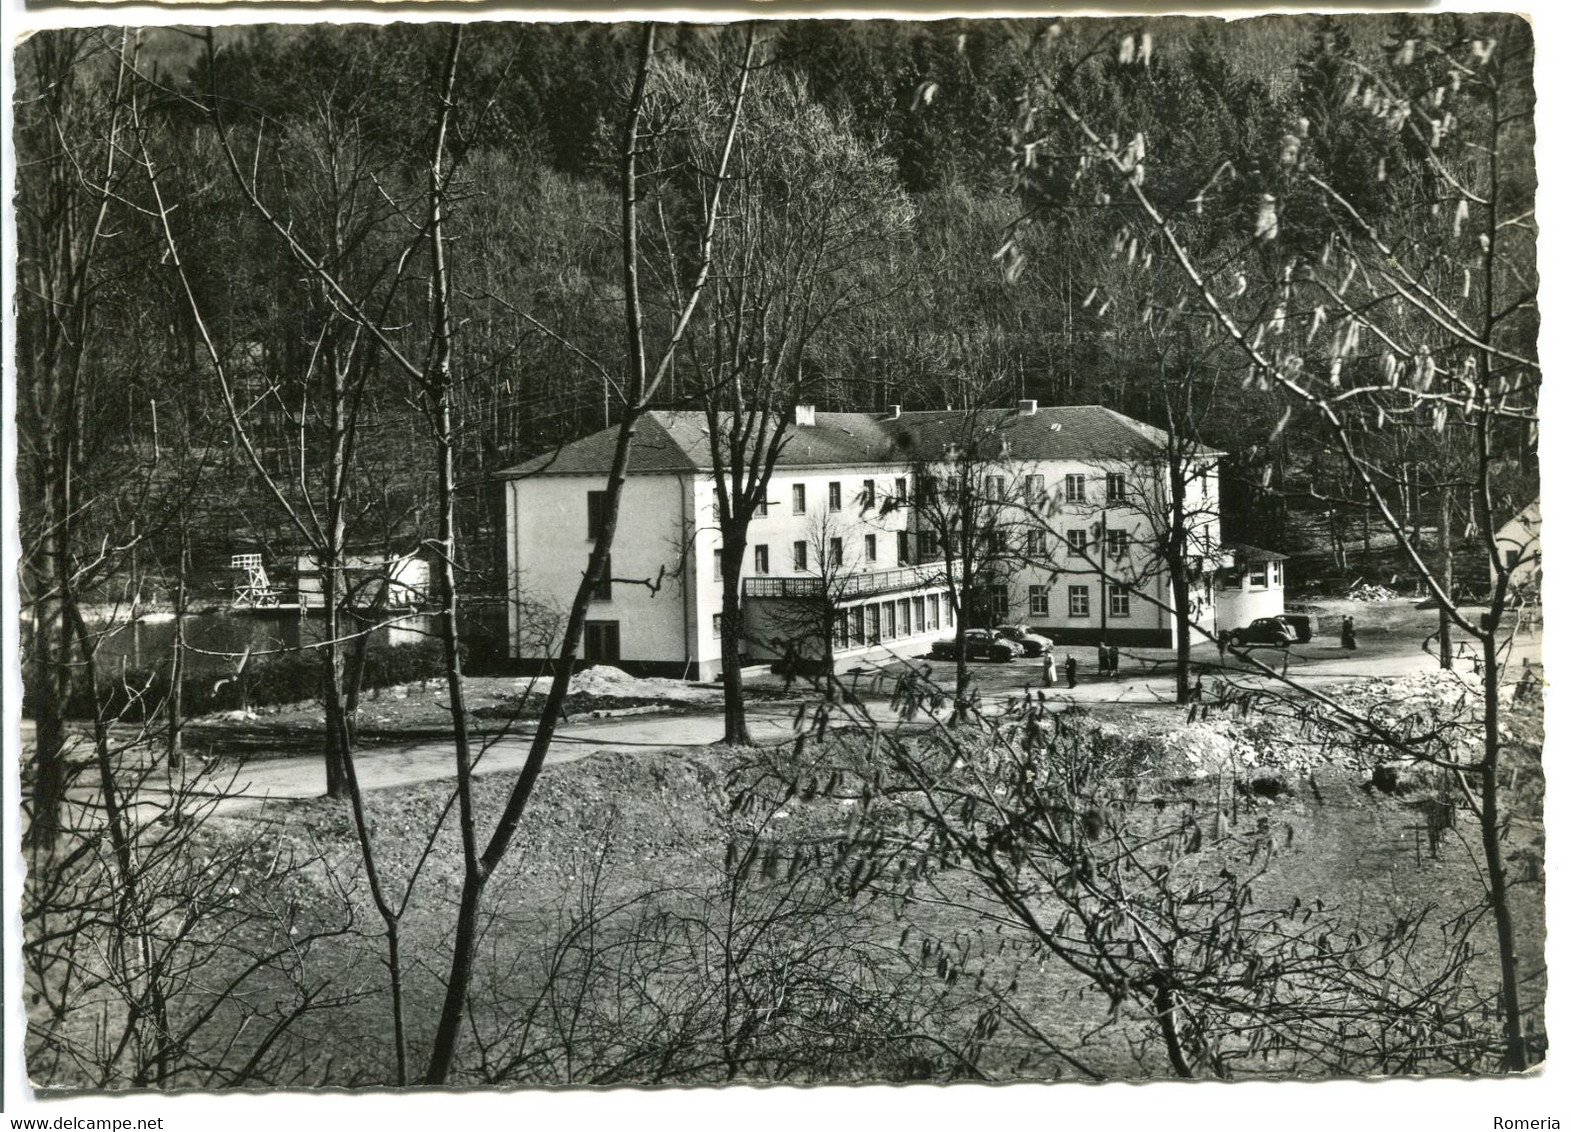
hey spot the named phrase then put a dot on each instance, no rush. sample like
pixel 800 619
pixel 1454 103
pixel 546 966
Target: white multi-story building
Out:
pixel 1082 486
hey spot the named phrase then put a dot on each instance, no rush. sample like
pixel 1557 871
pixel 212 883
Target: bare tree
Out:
pixel 647 370
pixel 71 113
pixel 316 479
pixel 967 510
pixel 1173 497
pixel 142 954
pixel 1332 304
pixel 798 254
pixel 758 969
pixel 161 950
pixel 1071 858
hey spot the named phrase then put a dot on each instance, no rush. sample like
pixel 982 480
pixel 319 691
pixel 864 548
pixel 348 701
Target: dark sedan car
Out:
pixel 1264 631
pixel 981 644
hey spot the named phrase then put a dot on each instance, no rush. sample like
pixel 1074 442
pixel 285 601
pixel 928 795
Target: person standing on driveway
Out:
pixel 1069 671
pixel 1103 664
pixel 788 664
pixel 1112 662
pixel 1049 668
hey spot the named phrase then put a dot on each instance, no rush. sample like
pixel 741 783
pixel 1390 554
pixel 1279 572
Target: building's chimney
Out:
pixel 1026 408
pixel 806 416
pixel 894 412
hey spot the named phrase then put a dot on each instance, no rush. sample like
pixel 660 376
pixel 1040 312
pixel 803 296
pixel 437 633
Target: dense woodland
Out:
pixel 308 289
pixel 333 124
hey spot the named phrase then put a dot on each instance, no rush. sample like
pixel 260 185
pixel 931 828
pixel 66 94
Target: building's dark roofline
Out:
pixel 677 442
pixel 1254 553
pixel 1528 516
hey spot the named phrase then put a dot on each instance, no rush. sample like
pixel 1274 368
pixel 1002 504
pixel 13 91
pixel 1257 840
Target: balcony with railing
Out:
pixel 845 587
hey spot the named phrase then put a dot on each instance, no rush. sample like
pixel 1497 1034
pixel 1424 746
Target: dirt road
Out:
pixel 1146 678
pixel 303 776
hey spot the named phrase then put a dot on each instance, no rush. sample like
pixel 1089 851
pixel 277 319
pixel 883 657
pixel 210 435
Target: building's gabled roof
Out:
pixel 833 439
pixel 678 442
pixel 1060 432
pixel 1529 518
pixel 1242 552
pixel 654 450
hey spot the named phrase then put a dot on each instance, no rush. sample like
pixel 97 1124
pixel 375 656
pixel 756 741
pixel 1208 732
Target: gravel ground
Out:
pixel 658 820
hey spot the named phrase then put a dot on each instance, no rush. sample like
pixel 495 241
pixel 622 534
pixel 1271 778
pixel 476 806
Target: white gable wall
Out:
pixel 548 551
pixel 1518 543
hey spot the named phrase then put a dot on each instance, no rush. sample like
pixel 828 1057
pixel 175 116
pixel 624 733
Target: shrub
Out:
pixel 282 679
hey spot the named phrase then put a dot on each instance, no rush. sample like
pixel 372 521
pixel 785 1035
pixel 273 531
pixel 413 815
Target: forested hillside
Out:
pixel 331 125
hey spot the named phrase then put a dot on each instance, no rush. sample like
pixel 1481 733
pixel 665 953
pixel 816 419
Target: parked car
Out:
pixel 1030 641
pixel 981 644
pixel 1264 631
pixel 1302 624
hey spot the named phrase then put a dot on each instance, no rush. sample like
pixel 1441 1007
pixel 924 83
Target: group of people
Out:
pixel 1106 665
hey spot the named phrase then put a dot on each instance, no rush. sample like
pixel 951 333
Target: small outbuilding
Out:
pixel 1251 583
pixel 1522 555
pixel 393 581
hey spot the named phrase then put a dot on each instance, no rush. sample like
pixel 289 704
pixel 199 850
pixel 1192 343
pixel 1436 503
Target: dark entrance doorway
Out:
pixel 602 642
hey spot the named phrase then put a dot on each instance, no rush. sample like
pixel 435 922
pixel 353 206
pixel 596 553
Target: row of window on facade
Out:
pixel 995 488
pixel 1078 540
pixel 866 499
pixel 834 554
pixel 898 618
pixel 1261 575
pixel 1039 601
pixel 1079 595
pixel 993 543
pixel 1038 597
pixel 857 626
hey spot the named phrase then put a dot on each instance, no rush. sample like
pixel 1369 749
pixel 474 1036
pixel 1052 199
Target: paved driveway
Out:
pixel 1146 678
pixel 299 776
pixel 1390 647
